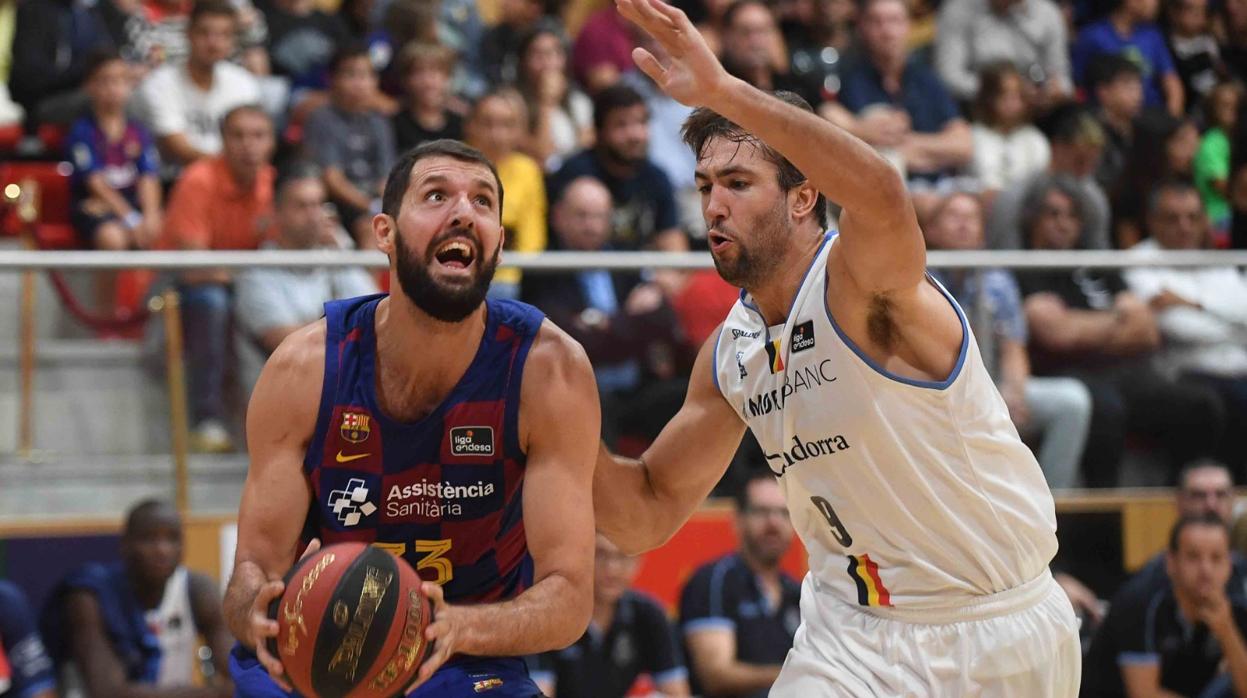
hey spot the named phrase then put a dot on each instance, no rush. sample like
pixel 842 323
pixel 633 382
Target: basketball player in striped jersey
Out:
pixel 454 431
pixel 928 523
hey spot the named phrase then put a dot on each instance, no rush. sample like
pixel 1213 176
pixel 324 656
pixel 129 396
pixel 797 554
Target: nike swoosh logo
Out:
pixel 347 459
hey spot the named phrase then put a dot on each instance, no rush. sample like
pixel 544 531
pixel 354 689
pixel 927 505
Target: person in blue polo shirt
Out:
pixel 896 103
pixel 628 637
pixel 739 613
pixel 25 669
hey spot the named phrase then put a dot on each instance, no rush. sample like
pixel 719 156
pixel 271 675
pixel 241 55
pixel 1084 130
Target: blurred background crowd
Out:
pixel 1018 124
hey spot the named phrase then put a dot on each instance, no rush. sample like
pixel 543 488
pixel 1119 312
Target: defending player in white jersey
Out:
pixel 928 523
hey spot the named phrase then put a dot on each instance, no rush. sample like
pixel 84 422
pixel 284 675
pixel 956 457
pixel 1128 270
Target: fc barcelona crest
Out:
pixel 355 427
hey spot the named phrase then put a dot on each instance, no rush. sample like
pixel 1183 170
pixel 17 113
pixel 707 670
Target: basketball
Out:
pixel 351 623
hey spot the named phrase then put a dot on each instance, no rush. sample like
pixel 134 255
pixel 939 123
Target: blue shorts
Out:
pixel 492 677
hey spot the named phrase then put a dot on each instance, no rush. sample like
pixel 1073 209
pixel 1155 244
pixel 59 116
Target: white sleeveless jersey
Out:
pixel 907 494
pixel 173 623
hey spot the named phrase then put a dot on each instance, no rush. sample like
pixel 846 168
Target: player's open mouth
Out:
pixel 455 253
pixel 718 241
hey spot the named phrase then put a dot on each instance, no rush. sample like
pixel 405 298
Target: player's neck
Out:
pixel 421 351
pixel 774 298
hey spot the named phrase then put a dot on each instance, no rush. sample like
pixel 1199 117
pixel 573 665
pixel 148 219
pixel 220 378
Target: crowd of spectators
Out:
pixel 1019 124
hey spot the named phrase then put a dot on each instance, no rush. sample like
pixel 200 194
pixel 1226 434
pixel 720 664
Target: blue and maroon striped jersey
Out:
pixel 444 492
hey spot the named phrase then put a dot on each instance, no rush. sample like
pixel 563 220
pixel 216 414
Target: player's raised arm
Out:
pixel 881 240
pixel 560 421
pixel 280 420
pixel 640 503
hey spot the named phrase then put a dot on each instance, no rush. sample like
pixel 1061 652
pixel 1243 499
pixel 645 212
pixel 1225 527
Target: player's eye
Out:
pixel 484 201
pixel 703 189
pixel 435 195
pixel 739 184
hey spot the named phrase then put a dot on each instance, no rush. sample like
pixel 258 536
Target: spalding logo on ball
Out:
pixel 351 623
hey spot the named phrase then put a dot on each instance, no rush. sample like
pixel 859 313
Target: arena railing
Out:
pixel 28 262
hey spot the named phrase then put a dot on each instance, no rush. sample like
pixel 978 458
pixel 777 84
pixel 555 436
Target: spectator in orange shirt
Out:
pixel 220 203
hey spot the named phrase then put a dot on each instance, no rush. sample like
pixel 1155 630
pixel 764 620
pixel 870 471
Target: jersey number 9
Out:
pixel 838 531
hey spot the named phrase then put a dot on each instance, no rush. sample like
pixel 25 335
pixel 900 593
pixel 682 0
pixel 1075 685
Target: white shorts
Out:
pixel 1022 642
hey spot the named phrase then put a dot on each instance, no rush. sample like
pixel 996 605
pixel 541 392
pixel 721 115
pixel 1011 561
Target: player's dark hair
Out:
pixel 349 52
pixel 742 495
pixel 1109 67
pixel 615 97
pixel 97 59
pixel 1200 464
pixel 400 175
pixel 211 8
pixel 703 125
pixel 1206 519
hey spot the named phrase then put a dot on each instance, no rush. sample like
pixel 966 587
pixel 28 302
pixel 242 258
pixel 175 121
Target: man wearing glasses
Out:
pixel 739 613
pixel 1205 487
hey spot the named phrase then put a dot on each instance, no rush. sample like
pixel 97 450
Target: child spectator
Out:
pixel 495 127
pixel 116 185
pixel 1194 49
pixel 1212 162
pixel 354 144
pixel 1117 85
pixel 1130 31
pixel 1007 147
pixel 426 71
pixel 560 117
pixel 116 188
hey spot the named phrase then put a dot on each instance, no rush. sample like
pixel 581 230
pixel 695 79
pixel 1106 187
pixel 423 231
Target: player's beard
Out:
pixel 439 300
pixel 757 251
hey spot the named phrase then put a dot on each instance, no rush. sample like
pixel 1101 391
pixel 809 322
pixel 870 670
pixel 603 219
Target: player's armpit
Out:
pixel 712 656
pixel 640 504
pixel 281 418
pixel 560 420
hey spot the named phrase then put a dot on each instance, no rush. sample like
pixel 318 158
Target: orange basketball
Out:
pixel 351 623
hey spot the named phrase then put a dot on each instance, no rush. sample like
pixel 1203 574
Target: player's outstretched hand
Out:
pixel 690 72
pixel 263 628
pixel 442 633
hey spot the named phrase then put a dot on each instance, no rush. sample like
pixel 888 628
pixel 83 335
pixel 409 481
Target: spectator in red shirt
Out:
pixel 220 203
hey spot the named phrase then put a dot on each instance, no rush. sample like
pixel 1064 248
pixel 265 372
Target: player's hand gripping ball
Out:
pixel 351 623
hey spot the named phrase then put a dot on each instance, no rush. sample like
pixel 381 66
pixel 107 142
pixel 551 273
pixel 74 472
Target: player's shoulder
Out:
pixel 554 350
pixel 296 368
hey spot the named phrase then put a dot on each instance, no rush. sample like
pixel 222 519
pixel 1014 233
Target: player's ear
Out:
pixel 801 199
pixel 384 228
